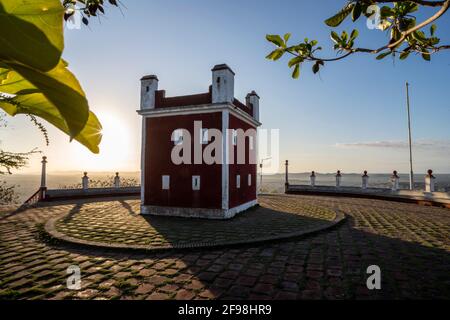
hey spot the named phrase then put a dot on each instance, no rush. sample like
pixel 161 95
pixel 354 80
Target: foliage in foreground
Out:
pixel 34 79
pixel 397 19
pixel 8 194
pixel 11 160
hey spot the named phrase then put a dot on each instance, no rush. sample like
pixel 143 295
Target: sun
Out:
pixel 114 148
pixel 116 137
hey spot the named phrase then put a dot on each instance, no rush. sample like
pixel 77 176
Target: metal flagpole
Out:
pixel 411 174
pixel 261 173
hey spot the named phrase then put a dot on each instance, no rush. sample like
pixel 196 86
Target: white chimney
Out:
pixel 149 86
pixel 222 84
pixel 252 100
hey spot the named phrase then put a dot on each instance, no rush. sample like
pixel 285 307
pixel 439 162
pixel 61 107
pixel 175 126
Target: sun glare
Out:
pixel 114 148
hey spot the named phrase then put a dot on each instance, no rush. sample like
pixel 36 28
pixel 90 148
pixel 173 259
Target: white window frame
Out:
pixel 249 180
pixel 235 137
pixel 177 137
pixel 238 181
pixel 166 182
pixel 196 186
pixel 204 136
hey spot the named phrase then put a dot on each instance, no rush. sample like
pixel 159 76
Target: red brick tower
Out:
pixel 192 127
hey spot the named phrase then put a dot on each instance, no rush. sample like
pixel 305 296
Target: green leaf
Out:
pixel 296 72
pixel 419 36
pixel 37 104
pixel 357 10
pixel 335 37
pixel 405 24
pixel 383 55
pixel 386 12
pixel 411 7
pixel 287 36
pixel 33 75
pixel 91 135
pixel 11 82
pixel 275 55
pixel 385 24
pixel 3 74
pixel 404 55
pixel 337 19
pixel 275 39
pixel 365 10
pixel 354 34
pixel 395 34
pixel 316 67
pixel 434 41
pixel 295 61
pixel 31 32
pixel 433 29
pixel 426 56
pixel 59 86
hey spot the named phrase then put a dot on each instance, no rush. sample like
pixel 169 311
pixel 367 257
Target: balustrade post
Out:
pixel 338 179
pixel 85 181
pixel 312 179
pixel 365 181
pixel 117 181
pixel 429 181
pixel 395 180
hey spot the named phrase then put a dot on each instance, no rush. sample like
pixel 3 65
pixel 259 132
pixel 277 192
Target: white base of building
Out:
pixel 213 214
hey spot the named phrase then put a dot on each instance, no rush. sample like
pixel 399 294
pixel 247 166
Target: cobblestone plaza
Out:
pixel 301 250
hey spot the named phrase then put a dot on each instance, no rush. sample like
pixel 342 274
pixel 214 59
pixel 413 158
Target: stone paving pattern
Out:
pixel 410 243
pixel 119 222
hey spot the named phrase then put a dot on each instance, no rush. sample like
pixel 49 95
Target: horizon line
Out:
pixel 264 174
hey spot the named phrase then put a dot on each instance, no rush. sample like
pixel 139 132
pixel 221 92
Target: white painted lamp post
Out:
pixel 312 178
pixel 261 166
pixel 85 181
pixel 117 181
pixel 338 179
pixel 286 183
pixel 365 180
pixel 43 178
pixel 395 180
pixel 429 182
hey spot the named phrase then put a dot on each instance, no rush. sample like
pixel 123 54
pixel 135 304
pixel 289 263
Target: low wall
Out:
pixel 67 194
pixel 430 198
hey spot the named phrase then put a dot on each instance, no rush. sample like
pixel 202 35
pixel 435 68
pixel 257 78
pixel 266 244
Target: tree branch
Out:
pixel 406 33
pixel 395 20
pixel 419 2
pixel 437 15
pixel 446 47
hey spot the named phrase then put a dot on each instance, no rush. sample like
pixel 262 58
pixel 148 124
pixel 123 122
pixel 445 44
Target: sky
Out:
pixel 352 116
